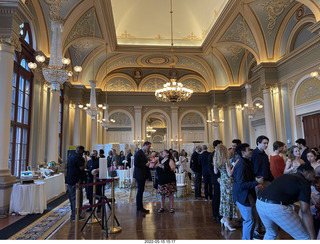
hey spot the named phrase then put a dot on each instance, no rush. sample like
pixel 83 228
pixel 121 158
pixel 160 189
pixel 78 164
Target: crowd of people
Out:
pixel 247 187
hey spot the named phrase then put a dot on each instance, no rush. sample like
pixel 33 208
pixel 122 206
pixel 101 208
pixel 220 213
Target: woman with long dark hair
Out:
pixel 166 180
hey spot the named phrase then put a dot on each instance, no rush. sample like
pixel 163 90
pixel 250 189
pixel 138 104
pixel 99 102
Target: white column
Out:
pixel 226 126
pixel 83 126
pixel 76 126
pixel 137 123
pixel 240 124
pixel 88 132
pixel 216 117
pixel 270 123
pixel 175 128
pixel 209 126
pixel 234 123
pixel 93 133
pixel 6 71
pixel 53 135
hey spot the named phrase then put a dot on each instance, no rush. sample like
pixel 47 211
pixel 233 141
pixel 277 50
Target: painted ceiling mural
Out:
pixel 139 48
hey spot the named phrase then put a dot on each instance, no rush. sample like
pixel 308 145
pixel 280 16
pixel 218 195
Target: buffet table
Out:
pixel 28 198
pixel 123 174
pixel 54 185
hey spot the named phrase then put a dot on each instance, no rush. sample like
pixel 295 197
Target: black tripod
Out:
pixel 103 200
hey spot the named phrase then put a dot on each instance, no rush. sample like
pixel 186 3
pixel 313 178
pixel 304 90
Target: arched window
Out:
pixel 21 104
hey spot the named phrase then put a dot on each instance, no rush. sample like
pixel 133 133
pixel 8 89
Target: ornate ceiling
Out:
pixel 216 41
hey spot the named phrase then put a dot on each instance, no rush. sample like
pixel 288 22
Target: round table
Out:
pixel 123 175
pixel 28 198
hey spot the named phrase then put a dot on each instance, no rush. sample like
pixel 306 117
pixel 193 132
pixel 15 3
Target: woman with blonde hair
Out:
pixel 221 163
pixel 294 160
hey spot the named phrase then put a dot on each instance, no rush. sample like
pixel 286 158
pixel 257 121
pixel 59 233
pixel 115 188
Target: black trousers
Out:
pixel 139 197
pixel 216 200
pixel 207 180
pixel 197 185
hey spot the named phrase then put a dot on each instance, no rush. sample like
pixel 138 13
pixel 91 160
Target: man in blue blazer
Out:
pixel 243 192
pixel 141 174
pixel 206 172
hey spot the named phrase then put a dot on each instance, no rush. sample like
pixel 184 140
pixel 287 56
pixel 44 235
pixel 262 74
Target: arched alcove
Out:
pixel 122 130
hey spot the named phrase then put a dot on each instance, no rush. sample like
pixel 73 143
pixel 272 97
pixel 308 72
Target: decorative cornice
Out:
pixel 11 41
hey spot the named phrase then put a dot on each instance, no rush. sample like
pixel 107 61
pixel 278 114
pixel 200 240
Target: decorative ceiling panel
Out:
pixel 270 15
pixel 147 22
pixel 234 55
pixel 84 27
pixel 236 33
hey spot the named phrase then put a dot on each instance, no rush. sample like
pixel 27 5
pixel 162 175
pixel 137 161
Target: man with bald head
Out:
pixel 206 171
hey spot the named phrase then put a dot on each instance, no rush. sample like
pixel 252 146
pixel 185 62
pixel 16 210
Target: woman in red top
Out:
pixel 277 163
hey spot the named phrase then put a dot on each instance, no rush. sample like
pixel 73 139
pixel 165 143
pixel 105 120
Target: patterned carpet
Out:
pixel 43 227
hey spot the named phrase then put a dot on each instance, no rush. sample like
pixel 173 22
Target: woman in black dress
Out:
pixel 166 180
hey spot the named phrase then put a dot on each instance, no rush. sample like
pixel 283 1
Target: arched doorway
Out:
pixel 156 131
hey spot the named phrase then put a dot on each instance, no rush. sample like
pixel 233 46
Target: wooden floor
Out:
pixel 192 221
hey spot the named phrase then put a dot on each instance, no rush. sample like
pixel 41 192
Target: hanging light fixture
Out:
pixel 248 106
pixel 106 122
pixel 173 91
pixel 91 109
pixel 56 72
pixel 214 122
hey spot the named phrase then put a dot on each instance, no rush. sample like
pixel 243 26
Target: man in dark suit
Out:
pixel 206 172
pixel 216 186
pixel 75 170
pixel 140 173
pixel 196 169
pixel 302 144
pixel 129 155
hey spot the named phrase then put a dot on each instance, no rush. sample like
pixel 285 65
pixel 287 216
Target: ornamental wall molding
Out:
pixel 146 109
pixel 308 91
pixel 192 119
pixel 202 110
pixel 129 109
pixel 153 85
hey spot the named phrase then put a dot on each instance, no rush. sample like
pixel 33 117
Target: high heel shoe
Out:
pixel 227 226
pixel 222 222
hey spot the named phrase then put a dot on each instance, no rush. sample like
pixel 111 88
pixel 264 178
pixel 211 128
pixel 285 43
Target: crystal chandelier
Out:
pixel 106 122
pixel 92 109
pixel 173 91
pixel 248 106
pixel 150 129
pixel 215 122
pixel 56 72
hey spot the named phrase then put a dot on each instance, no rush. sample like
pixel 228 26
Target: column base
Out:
pixel 6 183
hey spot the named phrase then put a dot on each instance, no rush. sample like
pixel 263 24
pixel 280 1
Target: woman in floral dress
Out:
pixel 227 207
pixel 166 180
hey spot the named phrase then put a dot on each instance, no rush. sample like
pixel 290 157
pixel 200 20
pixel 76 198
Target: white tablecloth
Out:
pixel 28 198
pixel 180 179
pixel 123 174
pixel 54 185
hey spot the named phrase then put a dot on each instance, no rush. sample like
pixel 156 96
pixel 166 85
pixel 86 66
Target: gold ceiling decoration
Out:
pixel 274 9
